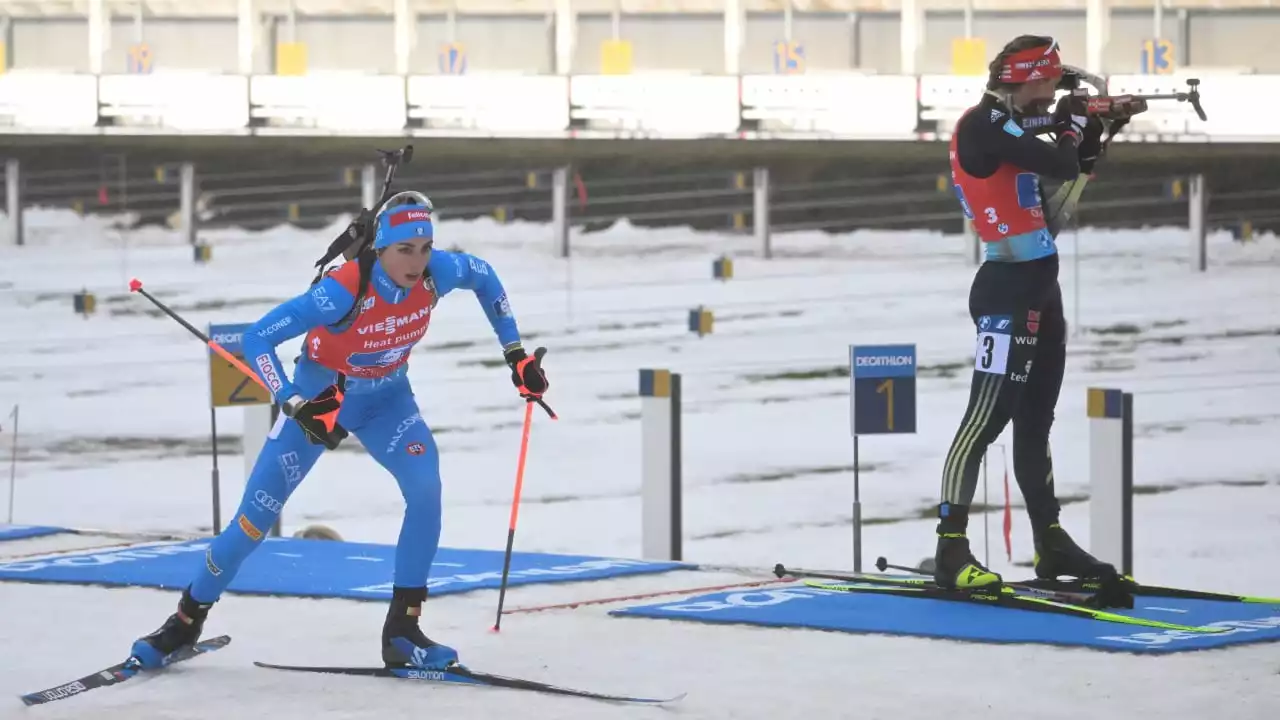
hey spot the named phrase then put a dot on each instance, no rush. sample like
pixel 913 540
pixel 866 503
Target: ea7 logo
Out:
pixel 321 297
pixel 291 466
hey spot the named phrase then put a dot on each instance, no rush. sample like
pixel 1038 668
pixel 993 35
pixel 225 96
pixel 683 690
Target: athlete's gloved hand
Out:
pixel 318 416
pixel 528 376
pixel 1091 145
pixel 526 372
pixel 1072 115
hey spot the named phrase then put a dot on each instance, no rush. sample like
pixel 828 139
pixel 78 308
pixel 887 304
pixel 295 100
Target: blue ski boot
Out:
pixel 182 629
pixel 403 644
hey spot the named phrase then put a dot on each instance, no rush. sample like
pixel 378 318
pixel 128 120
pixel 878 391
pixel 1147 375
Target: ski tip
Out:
pixel 653 701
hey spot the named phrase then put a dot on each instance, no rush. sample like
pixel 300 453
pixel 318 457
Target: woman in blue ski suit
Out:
pixel 361 321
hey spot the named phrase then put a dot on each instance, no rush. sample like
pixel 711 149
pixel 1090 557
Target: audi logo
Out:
pixel 268 502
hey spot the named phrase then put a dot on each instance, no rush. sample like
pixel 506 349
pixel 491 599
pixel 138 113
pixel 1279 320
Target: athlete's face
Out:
pixel 405 262
pixel 1035 97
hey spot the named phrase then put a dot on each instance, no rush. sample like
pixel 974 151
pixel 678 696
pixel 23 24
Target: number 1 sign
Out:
pixel 883 392
pixel 882 400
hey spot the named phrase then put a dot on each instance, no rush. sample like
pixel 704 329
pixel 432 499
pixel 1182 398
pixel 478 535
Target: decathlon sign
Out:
pixel 102 559
pixel 561 571
pixel 752 599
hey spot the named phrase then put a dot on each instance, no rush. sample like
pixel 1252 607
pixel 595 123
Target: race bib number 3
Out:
pixel 992 353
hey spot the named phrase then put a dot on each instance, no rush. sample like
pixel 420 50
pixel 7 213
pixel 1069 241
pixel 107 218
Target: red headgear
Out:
pixel 1036 63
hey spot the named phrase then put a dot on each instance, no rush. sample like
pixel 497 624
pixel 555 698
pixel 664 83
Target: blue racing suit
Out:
pixel 380 411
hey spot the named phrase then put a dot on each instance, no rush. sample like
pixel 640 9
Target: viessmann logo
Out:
pixel 391 325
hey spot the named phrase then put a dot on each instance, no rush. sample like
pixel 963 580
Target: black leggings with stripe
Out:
pixel 1019 361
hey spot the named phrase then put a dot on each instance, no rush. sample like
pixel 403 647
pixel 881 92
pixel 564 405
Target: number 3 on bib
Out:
pixel 992 352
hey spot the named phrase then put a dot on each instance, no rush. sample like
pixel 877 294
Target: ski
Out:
pixel 1093 586
pixel 1137 588
pixel 1002 597
pixel 119 672
pixel 1078 597
pixel 462 675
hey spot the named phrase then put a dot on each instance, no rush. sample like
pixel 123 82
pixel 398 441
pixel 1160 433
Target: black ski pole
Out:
pixel 392 159
pixel 882 564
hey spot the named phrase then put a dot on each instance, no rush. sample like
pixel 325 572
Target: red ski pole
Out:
pixel 135 285
pixel 515 509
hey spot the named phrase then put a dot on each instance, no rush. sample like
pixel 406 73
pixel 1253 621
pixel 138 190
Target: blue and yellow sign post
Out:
pixel 452 59
pixel 788 58
pixel 661 530
pixel 1110 414
pixel 139 60
pixel 1158 57
pixel 229 387
pixel 882 401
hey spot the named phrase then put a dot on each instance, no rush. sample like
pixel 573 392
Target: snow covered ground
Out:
pixel 114 435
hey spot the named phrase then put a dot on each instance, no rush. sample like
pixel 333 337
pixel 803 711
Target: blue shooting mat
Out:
pixel 20 532
pixel 319 568
pixel 807 607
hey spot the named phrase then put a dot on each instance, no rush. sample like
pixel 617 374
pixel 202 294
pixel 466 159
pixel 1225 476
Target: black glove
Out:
pixel 1090 148
pixel 526 372
pixel 1072 115
pixel 318 416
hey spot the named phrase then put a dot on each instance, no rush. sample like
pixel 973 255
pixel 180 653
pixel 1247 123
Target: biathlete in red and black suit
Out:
pixel 1015 302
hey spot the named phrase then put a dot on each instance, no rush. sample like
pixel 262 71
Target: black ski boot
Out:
pixel 956 568
pixel 182 629
pixel 1057 554
pixel 403 644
